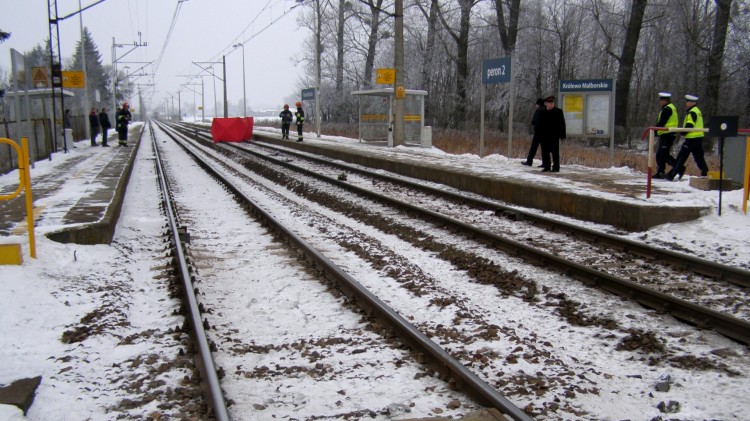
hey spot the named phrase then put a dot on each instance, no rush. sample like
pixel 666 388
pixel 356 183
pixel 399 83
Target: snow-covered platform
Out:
pixel 83 195
pixel 613 196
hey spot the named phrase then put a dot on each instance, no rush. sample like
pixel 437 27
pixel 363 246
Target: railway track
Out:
pixel 473 328
pixel 704 293
pixel 388 321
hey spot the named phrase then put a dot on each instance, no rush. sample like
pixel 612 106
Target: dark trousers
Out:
pixel 104 136
pixel 551 154
pixel 285 130
pixel 532 150
pixel 664 153
pixel 692 146
pixel 94 134
pixel 122 135
pixel 299 131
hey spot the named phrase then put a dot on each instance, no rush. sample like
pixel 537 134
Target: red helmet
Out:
pixel 299 104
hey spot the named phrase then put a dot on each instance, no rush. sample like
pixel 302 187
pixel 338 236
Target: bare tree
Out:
pixel 461 38
pixel 508 31
pixel 716 56
pixel 626 58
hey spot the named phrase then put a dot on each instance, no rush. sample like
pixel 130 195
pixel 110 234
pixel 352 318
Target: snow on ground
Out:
pixel 46 296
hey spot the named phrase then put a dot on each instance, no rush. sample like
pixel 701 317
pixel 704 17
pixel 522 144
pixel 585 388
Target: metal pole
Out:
pixel 244 92
pixel 114 77
pixel 481 120
pixel 399 135
pixel 224 74
pixel 203 103
pixel 85 83
pixel 512 102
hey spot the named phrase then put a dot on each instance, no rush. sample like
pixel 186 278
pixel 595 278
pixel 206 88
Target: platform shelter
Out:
pixel 376 116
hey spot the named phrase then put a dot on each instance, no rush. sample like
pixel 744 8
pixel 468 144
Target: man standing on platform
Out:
pixel 300 115
pixel 123 118
pixel 105 124
pixel 667 118
pixel 552 127
pixel 286 121
pixel 534 140
pixel 94 125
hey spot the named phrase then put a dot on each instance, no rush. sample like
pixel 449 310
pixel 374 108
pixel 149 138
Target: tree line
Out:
pixel 699 47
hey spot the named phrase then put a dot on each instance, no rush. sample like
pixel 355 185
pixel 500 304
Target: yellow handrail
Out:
pixel 24 175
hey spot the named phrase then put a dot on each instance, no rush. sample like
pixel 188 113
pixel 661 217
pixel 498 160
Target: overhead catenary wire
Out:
pixel 238 39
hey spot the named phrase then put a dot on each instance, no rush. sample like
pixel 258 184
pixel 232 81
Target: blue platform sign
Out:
pixel 308 94
pixel 496 70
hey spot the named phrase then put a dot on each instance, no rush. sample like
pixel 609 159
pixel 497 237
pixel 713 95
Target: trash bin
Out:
pixel 67 138
pixel 426 140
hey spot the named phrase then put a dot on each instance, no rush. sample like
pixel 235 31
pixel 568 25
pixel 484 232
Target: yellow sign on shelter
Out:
pixel 385 76
pixel 73 79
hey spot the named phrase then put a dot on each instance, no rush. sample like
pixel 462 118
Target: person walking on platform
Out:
pixel 105 125
pixel 693 143
pixel 534 140
pixel 300 116
pixel 551 128
pixel 667 118
pixel 94 125
pixel 286 121
pixel 123 118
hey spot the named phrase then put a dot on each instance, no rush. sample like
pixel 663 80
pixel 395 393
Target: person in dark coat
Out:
pixel 105 125
pixel 667 118
pixel 94 125
pixel 123 118
pixel 67 120
pixel 300 116
pixel 286 120
pixel 551 124
pixel 534 140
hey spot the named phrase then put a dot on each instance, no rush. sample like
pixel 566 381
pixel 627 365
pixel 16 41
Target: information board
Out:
pixel 588 106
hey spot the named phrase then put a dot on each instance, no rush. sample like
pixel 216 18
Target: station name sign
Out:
pixel 586 85
pixel 496 70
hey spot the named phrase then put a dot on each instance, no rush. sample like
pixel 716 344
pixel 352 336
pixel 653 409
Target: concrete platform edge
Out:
pixel 620 214
pixel 102 231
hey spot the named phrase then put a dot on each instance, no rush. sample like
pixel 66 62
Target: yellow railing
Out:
pixel 24 175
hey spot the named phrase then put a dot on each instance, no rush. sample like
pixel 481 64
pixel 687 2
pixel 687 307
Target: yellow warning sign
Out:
pixel 73 79
pixel 39 77
pixel 385 76
pixel 400 92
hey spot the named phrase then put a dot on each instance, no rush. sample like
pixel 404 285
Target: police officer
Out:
pixel 693 143
pixel 300 116
pixel 286 120
pixel 667 118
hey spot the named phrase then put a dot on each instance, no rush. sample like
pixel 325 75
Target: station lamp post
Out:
pixel 244 95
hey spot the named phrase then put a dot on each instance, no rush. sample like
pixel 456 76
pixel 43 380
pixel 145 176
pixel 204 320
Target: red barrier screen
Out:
pixel 233 129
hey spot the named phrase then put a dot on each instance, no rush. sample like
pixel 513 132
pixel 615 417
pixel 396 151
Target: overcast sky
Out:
pixel 203 31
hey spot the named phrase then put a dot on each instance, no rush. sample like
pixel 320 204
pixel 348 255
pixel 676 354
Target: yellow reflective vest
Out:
pixel 693 122
pixel 673 120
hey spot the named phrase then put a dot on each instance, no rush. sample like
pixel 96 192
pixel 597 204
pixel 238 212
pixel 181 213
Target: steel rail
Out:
pixel 702 317
pixel 205 361
pixel 696 264
pixel 442 361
